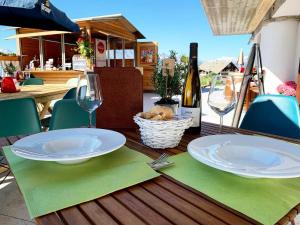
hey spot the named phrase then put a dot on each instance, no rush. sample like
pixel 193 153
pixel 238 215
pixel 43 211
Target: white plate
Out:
pixel 248 156
pixel 68 146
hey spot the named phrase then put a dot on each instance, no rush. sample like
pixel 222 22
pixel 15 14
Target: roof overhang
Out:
pixel 36 34
pixel 228 17
pixel 111 25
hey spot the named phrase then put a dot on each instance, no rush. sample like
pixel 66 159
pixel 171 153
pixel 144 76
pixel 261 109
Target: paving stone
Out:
pixel 12 202
pixel 7 220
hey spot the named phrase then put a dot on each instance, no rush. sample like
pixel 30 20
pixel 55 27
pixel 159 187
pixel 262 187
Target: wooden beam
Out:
pixel 260 13
pixel 35 34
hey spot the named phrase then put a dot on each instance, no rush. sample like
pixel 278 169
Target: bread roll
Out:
pixel 158 113
pixel 165 112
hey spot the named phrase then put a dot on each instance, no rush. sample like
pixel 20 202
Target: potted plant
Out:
pixel 10 69
pixel 168 79
pixel 85 48
pixel 288 88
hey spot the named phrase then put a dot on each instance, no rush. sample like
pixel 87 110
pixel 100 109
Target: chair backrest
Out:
pixel 33 81
pixel 68 114
pixel 71 94
pixel 18 117
pixel 122 90
pixel 274 114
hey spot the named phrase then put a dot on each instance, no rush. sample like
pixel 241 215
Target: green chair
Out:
pixel 71 94
pixel 33 81
pixel 17 117
pixel 68 114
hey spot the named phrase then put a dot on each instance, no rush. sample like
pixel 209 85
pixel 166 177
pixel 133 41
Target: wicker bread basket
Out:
pixel 162 134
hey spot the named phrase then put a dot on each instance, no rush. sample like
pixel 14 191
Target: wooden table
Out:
pixel 43 94
pixel 159 201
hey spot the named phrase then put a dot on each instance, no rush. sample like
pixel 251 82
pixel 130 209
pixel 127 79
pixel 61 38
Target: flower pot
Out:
pixel 174 105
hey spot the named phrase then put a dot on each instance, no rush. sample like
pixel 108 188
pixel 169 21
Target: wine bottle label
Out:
pixel 192 112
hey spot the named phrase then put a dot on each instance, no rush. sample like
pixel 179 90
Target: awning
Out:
pixel 39 14
pixel 36 34
pixel 228 17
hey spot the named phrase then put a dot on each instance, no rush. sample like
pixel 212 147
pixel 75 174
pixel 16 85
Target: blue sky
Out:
pixel 172 23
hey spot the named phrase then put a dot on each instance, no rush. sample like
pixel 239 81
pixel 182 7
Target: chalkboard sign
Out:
pixel 79 63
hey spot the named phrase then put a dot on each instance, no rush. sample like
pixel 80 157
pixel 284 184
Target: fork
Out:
pixel 161 158
pixel 160 162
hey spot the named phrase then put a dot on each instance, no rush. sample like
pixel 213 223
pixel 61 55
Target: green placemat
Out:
pixel 48 186
pixel 264 200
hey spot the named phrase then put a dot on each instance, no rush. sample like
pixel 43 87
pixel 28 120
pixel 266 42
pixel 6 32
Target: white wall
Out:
pixel 288 8
pixel 280 50
pixel 297 53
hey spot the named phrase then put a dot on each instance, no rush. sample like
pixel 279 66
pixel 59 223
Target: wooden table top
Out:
pixel 38 92
pixel 161 200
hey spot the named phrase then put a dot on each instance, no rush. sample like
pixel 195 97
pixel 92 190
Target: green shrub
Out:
pixel 167 86
pixel 207 79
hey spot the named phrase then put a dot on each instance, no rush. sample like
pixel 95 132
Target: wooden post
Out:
pixel 41 50
pixel 108 48
pixel 123 52
pixel 89 33
pixel 298 85
pixel 134 52
pixel 115 54
pixel 19 49
pixel 63 52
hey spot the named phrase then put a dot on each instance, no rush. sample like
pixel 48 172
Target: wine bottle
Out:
pixel 191 94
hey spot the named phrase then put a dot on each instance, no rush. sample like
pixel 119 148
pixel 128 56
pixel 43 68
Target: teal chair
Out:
pixel 274 114
pixel 17 117
pixel 71 94
pixel 68 114
pixel 33 81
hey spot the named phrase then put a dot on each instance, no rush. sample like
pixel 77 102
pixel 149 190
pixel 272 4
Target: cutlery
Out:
pixel 161 162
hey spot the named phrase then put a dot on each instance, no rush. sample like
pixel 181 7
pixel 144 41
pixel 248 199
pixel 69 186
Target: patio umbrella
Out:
pixel 39 14
pixel 241 58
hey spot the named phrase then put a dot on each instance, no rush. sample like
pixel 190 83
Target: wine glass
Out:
pixel 88 93
pixel 221 98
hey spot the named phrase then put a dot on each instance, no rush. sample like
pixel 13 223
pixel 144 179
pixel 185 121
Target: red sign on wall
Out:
pixel 100 53
pixel 100 47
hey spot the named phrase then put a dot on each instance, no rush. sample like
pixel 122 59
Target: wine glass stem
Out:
pixel 221 124
pixel 90 119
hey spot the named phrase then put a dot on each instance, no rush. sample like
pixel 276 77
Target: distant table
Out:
pixel 43 95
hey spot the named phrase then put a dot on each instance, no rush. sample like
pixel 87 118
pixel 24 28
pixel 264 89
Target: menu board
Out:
pixel 79 63
pixel 147 53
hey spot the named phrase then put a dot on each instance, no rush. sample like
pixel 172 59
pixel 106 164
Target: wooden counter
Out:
pixel 55 77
